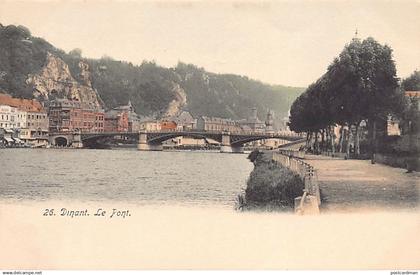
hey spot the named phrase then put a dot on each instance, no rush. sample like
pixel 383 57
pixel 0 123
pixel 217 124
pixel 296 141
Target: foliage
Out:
pixel 255 156
pixel 270 184
pixel 412 83
pixel 410 118
pixel 360 84
pixel 232 96
pixel 20 55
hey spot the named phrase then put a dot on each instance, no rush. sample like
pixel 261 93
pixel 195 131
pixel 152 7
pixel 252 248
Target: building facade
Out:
pixel 116 121
pixel 26 118
pixel 168 125
pixel 252 124
pixel 217 124
pixel 70 115
pixel 149 125
pixel 8 117
pixel 122 119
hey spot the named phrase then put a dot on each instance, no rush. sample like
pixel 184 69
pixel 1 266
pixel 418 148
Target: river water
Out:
pixel 181 217
pixel 185 178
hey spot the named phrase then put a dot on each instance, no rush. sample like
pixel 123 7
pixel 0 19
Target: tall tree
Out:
pixel 412 83
pixel 360 84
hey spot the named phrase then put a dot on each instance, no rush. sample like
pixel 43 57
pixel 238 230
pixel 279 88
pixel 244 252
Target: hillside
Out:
pixel 32 67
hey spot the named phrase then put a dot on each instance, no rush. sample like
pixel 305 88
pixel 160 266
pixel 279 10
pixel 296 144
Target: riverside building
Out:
pixel 27 119
pixel 71 115
pixel 122 119
pixel 217 124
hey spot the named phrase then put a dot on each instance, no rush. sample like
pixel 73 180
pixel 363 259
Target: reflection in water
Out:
pixel 203 178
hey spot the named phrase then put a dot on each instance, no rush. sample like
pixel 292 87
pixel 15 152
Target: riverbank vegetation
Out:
pixel 270 187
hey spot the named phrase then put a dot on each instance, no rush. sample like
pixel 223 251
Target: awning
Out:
pixel 8 131
pixel 8 139
pixel 18 140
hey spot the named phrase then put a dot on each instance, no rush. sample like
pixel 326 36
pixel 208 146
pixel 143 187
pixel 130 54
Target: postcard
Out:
pixel 209 135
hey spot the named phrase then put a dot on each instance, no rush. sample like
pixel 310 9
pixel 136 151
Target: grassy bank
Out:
pixel 270 187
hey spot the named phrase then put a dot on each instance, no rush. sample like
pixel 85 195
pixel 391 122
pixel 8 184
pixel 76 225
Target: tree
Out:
pixel 412 83
pixel 360 84
pixel 76 53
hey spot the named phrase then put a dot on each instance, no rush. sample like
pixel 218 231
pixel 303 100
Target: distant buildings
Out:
pixel 149 125
pixel 71 115
pixel 217 124
pixel 23 121
pixel 185 121
pixel 122 119
pixel 8 117
pixel 253 124
pixel 412 94
pixel 116 121
pixel 393 125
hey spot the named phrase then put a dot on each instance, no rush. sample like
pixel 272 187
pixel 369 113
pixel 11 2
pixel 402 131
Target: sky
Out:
pixel 278 42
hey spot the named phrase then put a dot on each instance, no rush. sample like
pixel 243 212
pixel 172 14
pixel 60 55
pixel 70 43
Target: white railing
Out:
pixel 292 153
pixel 305 171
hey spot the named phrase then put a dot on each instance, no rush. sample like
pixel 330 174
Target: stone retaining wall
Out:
pixel 310 201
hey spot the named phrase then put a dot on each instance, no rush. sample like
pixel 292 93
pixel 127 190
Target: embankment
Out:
pixel 270 186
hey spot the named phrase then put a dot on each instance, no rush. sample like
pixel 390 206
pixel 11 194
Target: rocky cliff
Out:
pixel 55 80
pixel 179 101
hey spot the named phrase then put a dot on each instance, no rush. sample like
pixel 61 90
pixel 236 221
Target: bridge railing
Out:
pixel 304 170
pixel 252 133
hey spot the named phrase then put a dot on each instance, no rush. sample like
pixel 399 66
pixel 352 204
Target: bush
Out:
pixel 272 185
pixel 255 156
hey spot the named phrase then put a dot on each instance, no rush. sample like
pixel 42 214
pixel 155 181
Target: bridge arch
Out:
pixel 240 140
pixel 61 141
pixel 96 136
pixel 158 139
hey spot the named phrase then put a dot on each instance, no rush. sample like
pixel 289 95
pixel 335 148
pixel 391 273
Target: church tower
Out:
pixel 269 123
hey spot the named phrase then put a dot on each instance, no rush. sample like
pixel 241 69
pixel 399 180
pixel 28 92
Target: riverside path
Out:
pixel 348 185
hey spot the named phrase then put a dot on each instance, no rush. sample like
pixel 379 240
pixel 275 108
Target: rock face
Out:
pixel 174 107
pixel 55 80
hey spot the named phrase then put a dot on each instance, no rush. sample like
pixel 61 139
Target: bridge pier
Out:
pixel 66 139
pixel 226 146
pixel 77 140
pixel 143 145
pixel 150 147
pixel 231 149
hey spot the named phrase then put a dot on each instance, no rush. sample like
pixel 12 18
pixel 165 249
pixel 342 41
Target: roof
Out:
pixel 217 119
pixel 113 114
pixel 128 107
pixel 146 119
pixel 412 93
pixel 124 107
pixel 246 128
pixel 29 105
pixel 66 103
pixel 185 117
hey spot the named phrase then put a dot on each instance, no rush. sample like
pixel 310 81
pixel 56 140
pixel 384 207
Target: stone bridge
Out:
pixel 152 141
